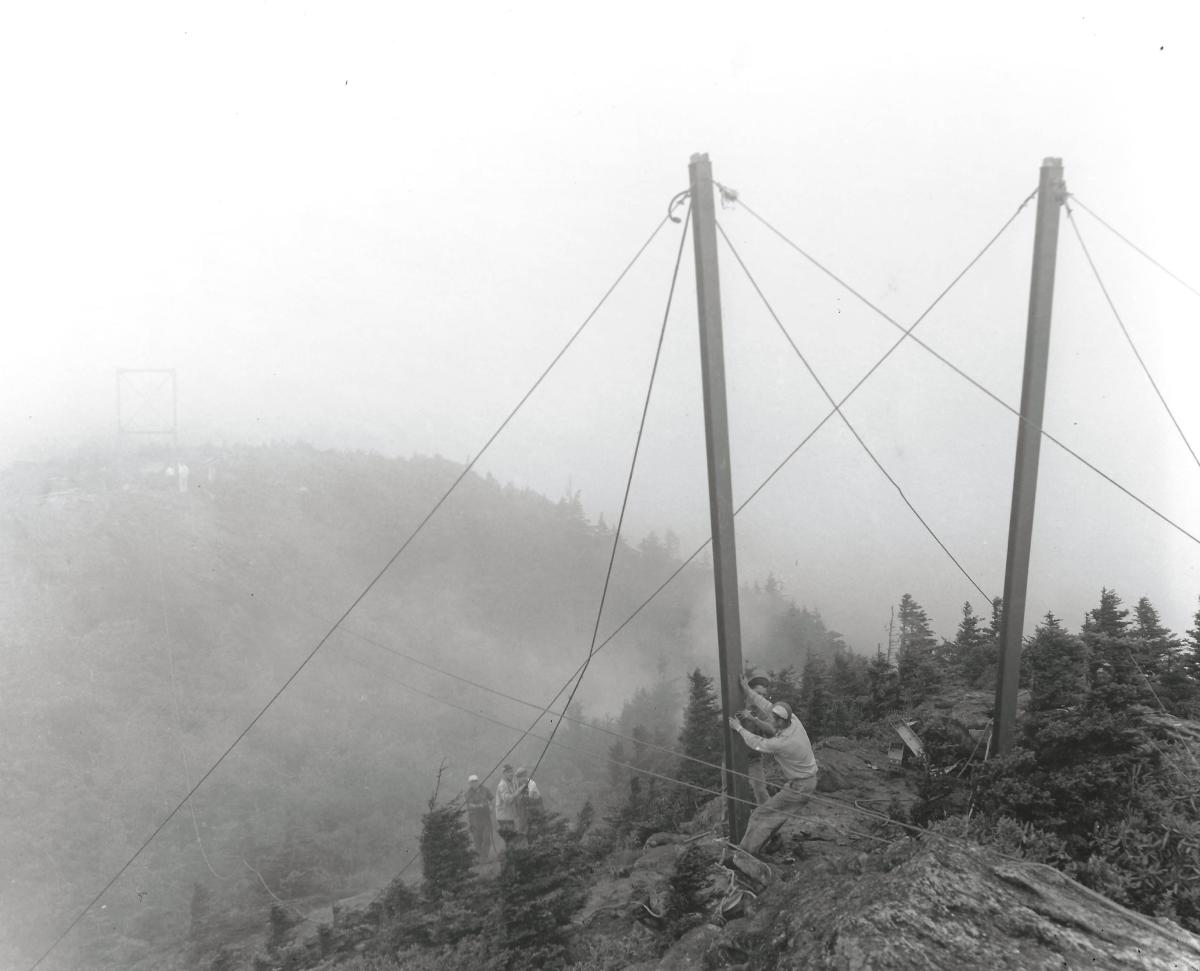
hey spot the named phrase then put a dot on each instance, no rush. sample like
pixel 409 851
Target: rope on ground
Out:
pixel 841 414
pixel 1129 338
pixel 974 383
pixel 278 900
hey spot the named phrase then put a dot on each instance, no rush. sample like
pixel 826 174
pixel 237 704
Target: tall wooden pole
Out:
pixel 1051 191
pixel 720 491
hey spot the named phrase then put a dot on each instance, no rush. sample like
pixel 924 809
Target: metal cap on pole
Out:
pixel 720 490
pixel 1051 193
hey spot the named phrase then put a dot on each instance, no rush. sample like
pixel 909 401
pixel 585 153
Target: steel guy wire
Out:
pixel 814 797
pixel 620 736
pixel 176 709
pixel 816 428
pixel 666 750
pixel 841 414
pixel 1174 276
pixel 358 599
pixel 662 333
pixel 1128 337
pixel 595 756
pixel 974 383
pixel 1161 707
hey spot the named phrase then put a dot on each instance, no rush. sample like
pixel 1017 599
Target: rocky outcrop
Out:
pixel 843 898
pixel 953 906
pixel 847 765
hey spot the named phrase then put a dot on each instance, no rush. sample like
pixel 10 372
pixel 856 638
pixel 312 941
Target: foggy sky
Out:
pixel 373 227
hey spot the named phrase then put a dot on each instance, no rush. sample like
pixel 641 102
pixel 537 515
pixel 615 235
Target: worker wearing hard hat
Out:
pixel 794 755
pixel 756 717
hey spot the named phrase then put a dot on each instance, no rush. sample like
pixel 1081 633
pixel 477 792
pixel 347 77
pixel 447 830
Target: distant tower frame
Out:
pixel 153 390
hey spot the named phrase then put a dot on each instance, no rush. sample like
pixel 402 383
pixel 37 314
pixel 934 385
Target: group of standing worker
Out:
pixel 516 801
pixel 785 757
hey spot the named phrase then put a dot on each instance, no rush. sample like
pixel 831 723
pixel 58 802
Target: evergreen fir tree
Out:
pixel 1108 618
pixel 1163 659
pixel 1115 675
pixel 1192 649
pixel 1058 667
pixel 701 737
pixel 785 685
pixel 916 662
pixel 849 687
pixel 1155 644
pixel 993 628
pixel 883 687
pixel 446 853
pixel 1104 778
pixel 1181 678
pixel 542 889
pixel 983 673
pixel 815 702
pixel 848 677
pixel 970 645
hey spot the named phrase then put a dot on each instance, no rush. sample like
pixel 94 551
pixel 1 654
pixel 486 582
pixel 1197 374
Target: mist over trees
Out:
pixel 144 627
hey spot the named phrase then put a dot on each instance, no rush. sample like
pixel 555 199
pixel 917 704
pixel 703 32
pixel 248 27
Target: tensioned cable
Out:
pixel 1128 337
pixel 974 383
pixel 1161 707
pixel 804 441
pixel 176 709
pixel 1174 276
pixel 595 756
pixel 578 673
pixel 878 817
pixel 513 698
pixel 778 468
pixel 612 733
pixel 841 414
pixel 814 797
pixel 662 333
pixel 357 600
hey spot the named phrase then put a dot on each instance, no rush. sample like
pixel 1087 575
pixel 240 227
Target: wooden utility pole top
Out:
pixel 739 798
pixel 1051 192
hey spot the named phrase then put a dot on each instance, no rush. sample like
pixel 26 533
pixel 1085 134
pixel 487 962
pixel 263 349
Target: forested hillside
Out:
pixel 148 617
pixel 939 860
pixel 145 624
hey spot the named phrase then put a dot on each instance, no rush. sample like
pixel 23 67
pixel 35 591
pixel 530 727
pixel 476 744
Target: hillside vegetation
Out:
pixel 144 626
